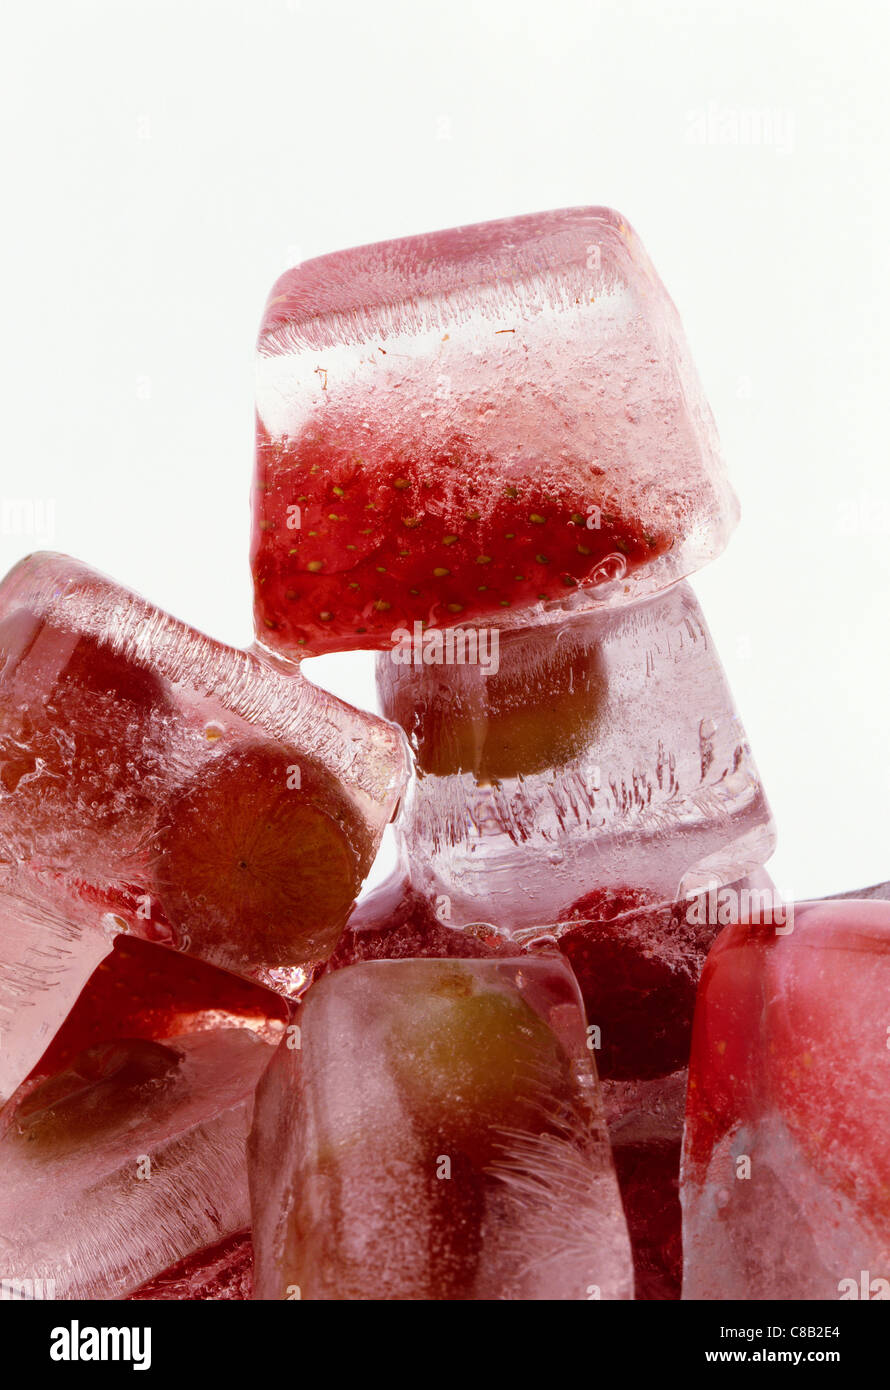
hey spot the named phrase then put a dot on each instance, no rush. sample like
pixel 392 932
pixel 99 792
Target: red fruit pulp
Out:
pixel 794 1022
pixel 396 922
pixel 637 963
pixel 221 1272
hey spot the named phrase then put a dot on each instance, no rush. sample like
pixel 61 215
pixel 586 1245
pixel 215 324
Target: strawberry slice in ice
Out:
pixel 432 546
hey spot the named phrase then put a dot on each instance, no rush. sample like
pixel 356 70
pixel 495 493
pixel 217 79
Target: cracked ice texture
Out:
pixel 443 409
pixel 402 1066
pixel 604 753
pixel 128 1162
pixel 147 784
pixel 790 1083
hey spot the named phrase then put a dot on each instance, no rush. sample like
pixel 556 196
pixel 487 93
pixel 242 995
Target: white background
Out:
pixel 164 161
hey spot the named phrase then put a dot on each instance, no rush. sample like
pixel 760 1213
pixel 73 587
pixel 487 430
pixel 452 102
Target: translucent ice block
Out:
pixel 499 421
pixel 128 1161
pixel 157 782
pixel 437 1135
pixel 603 754
pixel 786 1161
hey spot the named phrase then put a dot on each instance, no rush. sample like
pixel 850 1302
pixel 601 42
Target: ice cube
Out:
pixel 499 422
pixel 786 1160
pixel 128 1161
pixel 606 752
pixel 157 782
pixel 637 965
pixel 437 1134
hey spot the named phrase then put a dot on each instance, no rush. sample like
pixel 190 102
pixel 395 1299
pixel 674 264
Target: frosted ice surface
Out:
pixel 45 960
pixel 876 890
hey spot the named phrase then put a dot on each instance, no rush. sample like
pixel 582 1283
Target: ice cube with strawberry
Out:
pixel 492 425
